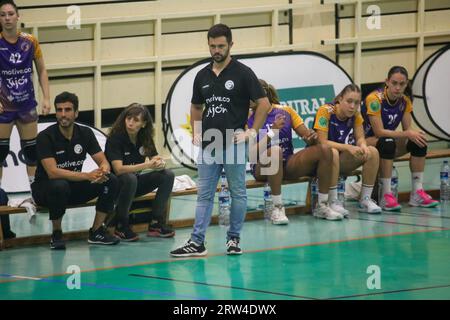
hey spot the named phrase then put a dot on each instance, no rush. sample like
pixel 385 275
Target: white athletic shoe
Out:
pixel 367 205
pixel 337 206
pixel 323 211
pixel 279 216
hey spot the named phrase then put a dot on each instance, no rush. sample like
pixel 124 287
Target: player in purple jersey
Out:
pixel 18 50
pixel 276 149
pixel 340 125
pixel 384 110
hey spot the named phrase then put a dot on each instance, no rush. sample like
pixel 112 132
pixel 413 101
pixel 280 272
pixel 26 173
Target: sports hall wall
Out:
pixel 132 51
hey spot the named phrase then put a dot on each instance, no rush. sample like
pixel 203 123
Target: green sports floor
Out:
pixel 403 255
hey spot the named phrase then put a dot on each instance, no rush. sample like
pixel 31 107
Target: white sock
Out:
pixel 30 179
pixel 386 184
pixel 366 191
pixel 323 197
pixel 277 201
pixel 416 181
pixel 332 193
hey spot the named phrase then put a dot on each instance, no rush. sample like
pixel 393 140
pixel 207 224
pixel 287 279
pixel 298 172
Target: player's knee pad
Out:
pixel 415 150
pixel 29 151
pixel 386 147
pixel 4 149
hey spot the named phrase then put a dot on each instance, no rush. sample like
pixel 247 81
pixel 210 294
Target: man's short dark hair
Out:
pixel 220 30
pixel 67 97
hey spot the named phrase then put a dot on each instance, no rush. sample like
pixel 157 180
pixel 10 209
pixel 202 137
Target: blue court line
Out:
pixel 111 287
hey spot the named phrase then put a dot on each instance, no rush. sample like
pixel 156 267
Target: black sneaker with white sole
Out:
pixel 233 247
pixel 126 234
pixel 57 242
pixel 190 249
pixel 101 236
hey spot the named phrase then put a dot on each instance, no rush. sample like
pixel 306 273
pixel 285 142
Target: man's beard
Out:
pixel 219 58
pixel 64 123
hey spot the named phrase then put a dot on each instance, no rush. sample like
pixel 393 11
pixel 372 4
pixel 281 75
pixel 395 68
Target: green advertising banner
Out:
pixel 306 101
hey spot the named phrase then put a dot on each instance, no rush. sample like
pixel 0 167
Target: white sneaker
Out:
pixel 279 216
pixel 369 206
pixel 323 211
pixel 337 206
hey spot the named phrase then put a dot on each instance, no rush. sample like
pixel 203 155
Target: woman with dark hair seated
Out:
pixel 130 149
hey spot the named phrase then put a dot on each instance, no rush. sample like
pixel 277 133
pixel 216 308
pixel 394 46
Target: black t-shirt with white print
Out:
pixel 226 97
pixel 119 147
pixel 69 154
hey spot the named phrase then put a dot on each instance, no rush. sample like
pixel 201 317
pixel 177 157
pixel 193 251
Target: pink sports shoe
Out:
pixel 389 202
pixel 422 199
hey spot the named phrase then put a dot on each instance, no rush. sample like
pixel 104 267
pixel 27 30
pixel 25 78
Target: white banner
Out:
pixel 304 80
pixel 431 96
pixel 15 177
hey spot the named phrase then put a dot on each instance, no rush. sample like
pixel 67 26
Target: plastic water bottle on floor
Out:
pixel 341 190
pixel 268 203
pixel 445 188
pixel 394 182
pixel 380 190
pixel 314 193
pixel 224 201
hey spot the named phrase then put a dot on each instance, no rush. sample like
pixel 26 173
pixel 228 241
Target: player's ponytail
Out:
pixel 271 92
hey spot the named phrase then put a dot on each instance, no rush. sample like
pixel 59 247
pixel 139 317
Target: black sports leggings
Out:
pixel 132 186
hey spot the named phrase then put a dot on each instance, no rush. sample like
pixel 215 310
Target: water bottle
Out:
pixel 224 202
pixel 314 193
pixel 380 190
pixel 445 188
pixel 394 182
pixel 268 203
pixel 341 190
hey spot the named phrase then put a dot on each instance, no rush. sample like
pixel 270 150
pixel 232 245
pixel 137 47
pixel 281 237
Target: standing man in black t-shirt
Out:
pixel 59 182
pixel 220 104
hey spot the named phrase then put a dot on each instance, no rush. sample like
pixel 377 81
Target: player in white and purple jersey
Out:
pixel 18 50
pixel 276 149
pixel 384 110
pixel 340 125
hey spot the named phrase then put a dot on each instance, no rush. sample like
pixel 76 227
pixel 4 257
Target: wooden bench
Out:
pixel 252 215
pixel 431 154
pixel 39 239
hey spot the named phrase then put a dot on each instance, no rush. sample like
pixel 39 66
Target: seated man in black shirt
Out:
pixel 59 182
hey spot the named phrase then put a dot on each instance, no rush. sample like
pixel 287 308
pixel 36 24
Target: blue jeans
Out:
pixel 209 170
